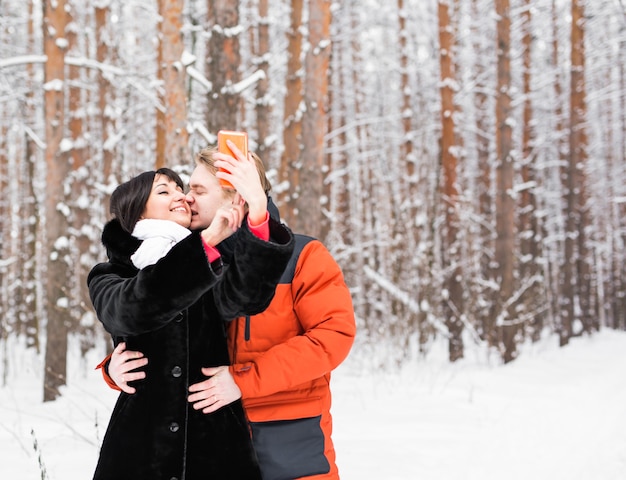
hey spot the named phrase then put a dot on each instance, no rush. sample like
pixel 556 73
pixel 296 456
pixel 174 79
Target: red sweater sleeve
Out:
pixel 105 374
pixel 261 231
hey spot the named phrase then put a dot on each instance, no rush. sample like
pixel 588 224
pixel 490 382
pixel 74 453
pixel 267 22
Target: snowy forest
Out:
pixel 463 160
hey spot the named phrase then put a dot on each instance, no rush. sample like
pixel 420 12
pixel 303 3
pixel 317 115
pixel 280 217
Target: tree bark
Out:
pixel 174 146
pixel 453 296
pixel 529 230
pixel 103 55
pixel 406 148
pixel 224 62
pixel 560 275
pixel 505 205
pixel 263 100
pixel 57 171
pixel 289 171
pixel 578 221
pixel 31 261
pixel 5 317
pixel 77 108
pixel 484 180
pixel 314 122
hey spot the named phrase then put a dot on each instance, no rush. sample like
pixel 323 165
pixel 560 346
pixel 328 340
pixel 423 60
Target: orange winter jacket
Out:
pixel 282 358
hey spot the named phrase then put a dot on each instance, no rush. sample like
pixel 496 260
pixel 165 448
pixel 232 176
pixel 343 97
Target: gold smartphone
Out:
pixel 240 139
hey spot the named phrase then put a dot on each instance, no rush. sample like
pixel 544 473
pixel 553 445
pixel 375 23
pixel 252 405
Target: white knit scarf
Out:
pixel 158 236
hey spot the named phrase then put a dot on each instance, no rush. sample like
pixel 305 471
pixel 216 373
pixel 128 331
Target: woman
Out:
pixel 170 306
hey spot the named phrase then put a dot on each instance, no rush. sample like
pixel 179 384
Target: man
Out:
pixel 281 359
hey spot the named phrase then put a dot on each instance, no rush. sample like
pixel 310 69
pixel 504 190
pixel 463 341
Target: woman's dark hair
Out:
pixel 128 200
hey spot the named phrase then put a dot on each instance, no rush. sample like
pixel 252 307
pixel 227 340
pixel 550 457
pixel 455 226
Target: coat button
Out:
pixel 179 317
pixel 174 427
pixel 177 371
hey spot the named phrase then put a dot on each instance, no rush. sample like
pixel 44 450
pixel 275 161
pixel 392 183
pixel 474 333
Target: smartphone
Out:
pixel 240 139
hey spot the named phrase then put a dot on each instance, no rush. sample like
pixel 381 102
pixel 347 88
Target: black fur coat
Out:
pixel 173 312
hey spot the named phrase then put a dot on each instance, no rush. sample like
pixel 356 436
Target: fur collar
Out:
pixel 120 244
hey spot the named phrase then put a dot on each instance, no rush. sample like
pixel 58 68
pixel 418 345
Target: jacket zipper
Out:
pixel 246 333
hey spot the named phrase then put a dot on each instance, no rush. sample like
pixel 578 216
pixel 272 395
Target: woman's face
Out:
pixel 167 202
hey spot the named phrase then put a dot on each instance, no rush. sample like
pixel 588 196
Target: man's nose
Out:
pixel 189 198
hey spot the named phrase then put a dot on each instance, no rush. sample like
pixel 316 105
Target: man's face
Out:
pixel 205 197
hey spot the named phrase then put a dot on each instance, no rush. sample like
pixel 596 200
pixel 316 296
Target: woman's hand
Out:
pixel 215 392
pixel 226 221
pixel 120 366
pixel 244 176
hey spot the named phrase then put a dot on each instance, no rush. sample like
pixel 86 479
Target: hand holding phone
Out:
pixel 240 139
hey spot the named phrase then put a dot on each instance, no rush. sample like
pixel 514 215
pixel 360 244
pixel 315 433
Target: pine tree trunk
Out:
pixel 505 205
pixel 579 221
pixel 561 277
pixel 103 55
pixel 289 172
pixel 619 267
pixel 485 244
pixel 57 171
pixel 31 257
pixel 530 243
pixel 31 262
pixel 263 101
pixel 406 148
pixel 314 122
pixel 224 61
pixel 453 298
pixel 174 148
pixel 5 316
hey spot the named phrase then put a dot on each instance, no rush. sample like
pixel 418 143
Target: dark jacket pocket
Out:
pixel 289 449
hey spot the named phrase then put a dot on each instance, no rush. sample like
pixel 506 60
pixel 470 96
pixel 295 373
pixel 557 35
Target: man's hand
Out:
pixel 121 364
pixel 244 176
pixel 215 392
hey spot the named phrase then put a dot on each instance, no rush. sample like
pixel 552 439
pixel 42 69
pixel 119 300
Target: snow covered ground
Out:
pixel 553 414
